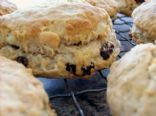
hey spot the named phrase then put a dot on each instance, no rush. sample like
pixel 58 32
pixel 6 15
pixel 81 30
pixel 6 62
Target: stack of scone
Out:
pixel 132 80
pixel 69 39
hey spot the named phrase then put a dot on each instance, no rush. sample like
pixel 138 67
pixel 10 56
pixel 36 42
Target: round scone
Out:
pixel 6 7
pixel 132 83
pixel 69 40
pixel 144 28
pixel 127 6
pixel 109 5
pixel 20 93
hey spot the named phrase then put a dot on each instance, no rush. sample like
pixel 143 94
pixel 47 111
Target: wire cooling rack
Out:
pixel 81 97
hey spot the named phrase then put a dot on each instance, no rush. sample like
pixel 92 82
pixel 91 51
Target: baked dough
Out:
pixel 132 83
pixel 109 5
pixel 144 28
pixel 6 7
pixel 20 93
pixel 127 6
pixel 70 40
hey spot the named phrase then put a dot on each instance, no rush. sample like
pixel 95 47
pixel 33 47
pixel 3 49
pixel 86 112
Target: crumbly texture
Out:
pixel 132 83
pixel 6 7
pixel 144 27
pixel 20 93
pixel 127 6
pixel 109 5
pixel 70 40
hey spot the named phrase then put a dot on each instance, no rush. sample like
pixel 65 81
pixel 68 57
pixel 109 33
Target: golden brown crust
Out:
pixel 6 7
pixel 144 27
pixel 63 21
pixel 56 38
pixel 20 93
pixel 109 5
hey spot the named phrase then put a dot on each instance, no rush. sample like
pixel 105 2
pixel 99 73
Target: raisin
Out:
pixel 23 60
pixel 71 68
pixel 139 1
pixel 77 44
pixel 14 46
pixel 106 50
pixel 87 70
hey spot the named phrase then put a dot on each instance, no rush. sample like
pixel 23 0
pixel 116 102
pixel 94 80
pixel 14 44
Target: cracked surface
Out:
pixel 144 28
pixel 21 94
pixel 48 38
pixel 132 83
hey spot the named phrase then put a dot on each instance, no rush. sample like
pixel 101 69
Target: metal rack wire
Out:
pixel 122 27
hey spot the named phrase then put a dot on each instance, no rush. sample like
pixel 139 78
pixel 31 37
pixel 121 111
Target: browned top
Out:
pixel 69 23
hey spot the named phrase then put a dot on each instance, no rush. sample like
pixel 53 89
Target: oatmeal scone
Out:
pixel 6 7
pixel 132 83
pixel 144 28
pixel 20 93
pixel 70 40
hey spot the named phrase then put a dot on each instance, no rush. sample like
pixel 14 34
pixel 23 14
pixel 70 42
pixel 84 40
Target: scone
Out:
pixel 6 7
pixel 20 93
pixel 144 28
pixel 109 5
pixel 69 40
pixel 132 83
pixel 127 6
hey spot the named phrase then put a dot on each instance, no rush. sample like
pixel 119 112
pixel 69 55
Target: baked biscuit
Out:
pixel 6 7
pixel 132 83
pixel 144 28
pixel 69 40
pixel 20 93
pixel 109 5
pixel 127 6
